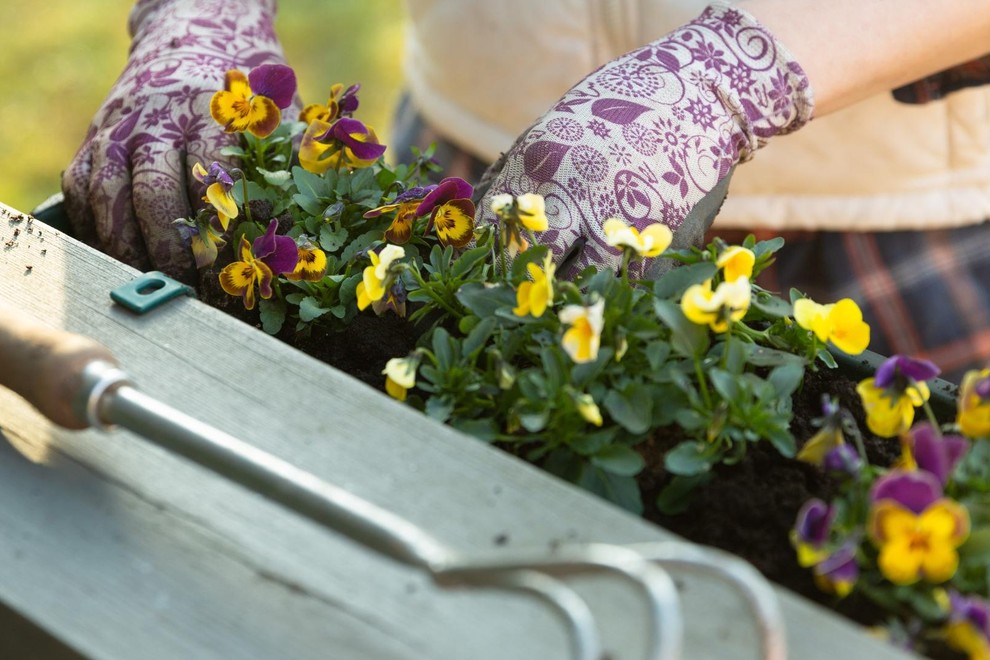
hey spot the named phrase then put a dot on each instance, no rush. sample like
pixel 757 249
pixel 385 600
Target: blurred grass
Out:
pixel 61 57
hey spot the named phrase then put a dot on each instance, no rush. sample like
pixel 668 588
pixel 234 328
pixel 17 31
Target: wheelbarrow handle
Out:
pixel 45 366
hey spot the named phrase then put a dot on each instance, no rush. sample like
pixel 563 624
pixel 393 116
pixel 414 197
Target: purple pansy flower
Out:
pixel 276 81
pixel 447 190
pixel 970 609
pixel 914 490
pixel 843 460
pixel 901 365
pixel 814 522
pixel 839 571
pixel 934 452
pixel 279 253
pixel 343 130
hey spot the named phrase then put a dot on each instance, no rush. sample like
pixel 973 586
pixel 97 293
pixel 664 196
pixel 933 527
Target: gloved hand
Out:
pixel 653 136
pixel 132 175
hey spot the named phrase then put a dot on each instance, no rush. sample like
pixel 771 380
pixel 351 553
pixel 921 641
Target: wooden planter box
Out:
pixel 113 548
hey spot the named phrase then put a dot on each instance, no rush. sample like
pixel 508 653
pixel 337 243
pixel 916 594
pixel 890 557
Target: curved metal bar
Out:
pixel 666 639
pixel 739 574
pixel 580 622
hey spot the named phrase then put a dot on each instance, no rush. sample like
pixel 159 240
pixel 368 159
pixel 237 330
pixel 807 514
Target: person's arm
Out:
pixel 853 49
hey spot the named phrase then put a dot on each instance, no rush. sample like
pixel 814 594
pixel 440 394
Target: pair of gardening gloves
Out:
pixel 651 136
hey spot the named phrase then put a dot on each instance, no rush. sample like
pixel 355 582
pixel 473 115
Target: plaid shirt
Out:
pixel 944 83
pixel 924 294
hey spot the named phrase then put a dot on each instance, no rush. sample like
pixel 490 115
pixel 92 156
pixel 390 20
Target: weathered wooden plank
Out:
pixel 118 544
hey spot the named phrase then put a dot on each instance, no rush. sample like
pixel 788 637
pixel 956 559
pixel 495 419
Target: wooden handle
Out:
pixel 45 366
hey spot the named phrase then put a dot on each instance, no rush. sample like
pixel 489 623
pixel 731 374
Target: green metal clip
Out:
pixel 148 291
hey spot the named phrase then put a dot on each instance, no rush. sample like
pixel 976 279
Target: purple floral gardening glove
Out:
pixel 132 176
pixel 653 135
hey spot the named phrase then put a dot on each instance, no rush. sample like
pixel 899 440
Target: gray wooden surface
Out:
pixel 120 550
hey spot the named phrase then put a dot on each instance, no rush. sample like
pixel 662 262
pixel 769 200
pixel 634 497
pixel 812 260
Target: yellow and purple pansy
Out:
pixel 254 103
pixel 346 142
pixel 219 185
pixel 342 103
pixel 451 211
pixel 828 437
pixel 312 263
pixel 268 256
pixel 811 532
pixel 916 529
pixel 838 572
pixel 405 205
pixel 974 404
pixel 897 388
pixel 968 627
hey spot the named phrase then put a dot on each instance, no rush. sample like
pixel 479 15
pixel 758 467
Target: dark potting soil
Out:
pixel 748 509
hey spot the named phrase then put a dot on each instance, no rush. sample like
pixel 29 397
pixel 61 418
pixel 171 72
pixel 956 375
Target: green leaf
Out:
pixel 588 444
pixel 618 489
pixel 272 311
pixel 676 280
pixel 442 349
pixel 534 420
pixel 439 408
pixel 478 335
pixel 310 309
pixel 485 429
pixel 976 549
pixel 771 305
pixel 309 184
pixel 279 178
pixel 657 353
pixel 738 356
pixel 676 496
pixel 687 338
pixel 359 243
pixel 689 458
pixel 726 384
pixel 619 459
pixel 483 301
pixel 761 356
pixel 331 238
pixel 783 442
pixel 348 289
pixel 469 260
pixel 632 407
pixel 786 378
pixel 309 204
pixel 237 152
pixel 565 464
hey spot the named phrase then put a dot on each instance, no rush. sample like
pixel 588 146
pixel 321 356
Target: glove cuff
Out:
pixel 754 75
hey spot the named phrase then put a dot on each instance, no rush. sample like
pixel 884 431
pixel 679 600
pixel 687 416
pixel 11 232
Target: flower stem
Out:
pixel 434 295
pixel 702 384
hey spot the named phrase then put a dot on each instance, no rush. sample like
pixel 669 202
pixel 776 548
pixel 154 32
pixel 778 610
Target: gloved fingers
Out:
pixel 160 195
pixel 110 202
pixel 75 188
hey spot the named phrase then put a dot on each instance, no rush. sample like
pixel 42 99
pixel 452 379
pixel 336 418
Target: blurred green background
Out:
pixel 60 57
